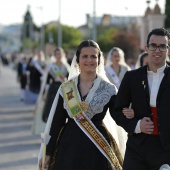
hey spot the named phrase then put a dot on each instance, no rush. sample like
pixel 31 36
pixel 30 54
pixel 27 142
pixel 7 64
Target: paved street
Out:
pixel 18 148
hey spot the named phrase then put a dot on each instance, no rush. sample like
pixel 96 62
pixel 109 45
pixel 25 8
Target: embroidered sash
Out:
pixel 37 65
pixel 113 75
pixel 71 97
pixel 55 72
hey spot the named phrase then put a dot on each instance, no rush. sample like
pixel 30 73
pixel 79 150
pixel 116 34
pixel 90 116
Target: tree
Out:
pixel 128 42
pixel 106 38
pixel 117 37
pixel 167 13
pixel 71 37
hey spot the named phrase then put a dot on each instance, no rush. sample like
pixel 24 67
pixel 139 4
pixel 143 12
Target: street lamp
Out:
pixel 94 21
pixel 59 25
pixel 41 30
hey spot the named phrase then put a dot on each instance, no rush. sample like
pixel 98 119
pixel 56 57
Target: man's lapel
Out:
pixel 145 84
pixel 165 82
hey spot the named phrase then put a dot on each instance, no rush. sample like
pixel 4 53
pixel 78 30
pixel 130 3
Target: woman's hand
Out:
pixel 47 160
pixel 129 113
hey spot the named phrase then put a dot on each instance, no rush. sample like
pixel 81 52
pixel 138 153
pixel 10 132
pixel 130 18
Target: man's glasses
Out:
pixel 162 47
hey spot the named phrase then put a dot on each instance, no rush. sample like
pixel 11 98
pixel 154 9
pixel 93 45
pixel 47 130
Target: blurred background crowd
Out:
pixel 41 56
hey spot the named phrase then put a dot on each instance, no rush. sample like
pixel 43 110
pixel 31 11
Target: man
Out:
pixel 148 90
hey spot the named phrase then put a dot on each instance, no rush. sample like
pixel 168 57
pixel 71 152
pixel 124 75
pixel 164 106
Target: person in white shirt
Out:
pixel 147 89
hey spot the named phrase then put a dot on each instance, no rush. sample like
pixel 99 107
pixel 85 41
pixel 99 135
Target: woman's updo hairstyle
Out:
pixel 87 43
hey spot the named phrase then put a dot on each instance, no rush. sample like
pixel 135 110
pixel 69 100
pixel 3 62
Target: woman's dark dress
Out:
pixel 22 75
pixel 35 77
pixel 75 151
pixel 52 91
pixel 50 96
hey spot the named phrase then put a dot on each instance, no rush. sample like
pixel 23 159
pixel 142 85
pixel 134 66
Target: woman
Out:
pixel 75 128
pixel 142 60
pixel 35 67
pixel 56 73
pixel 116 66
pixel 22 76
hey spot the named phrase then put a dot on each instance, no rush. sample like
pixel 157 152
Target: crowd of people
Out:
pixel 97 113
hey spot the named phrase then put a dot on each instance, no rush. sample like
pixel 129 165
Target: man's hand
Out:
pixel 146 125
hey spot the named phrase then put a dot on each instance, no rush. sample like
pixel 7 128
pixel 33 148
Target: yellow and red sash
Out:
pixel 76 108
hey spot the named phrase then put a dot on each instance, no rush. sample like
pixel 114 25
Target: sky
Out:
pixel 72 12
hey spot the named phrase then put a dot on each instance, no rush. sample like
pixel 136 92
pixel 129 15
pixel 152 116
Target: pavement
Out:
pixel 18 147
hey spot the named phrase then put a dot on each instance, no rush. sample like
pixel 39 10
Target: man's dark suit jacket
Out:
pixel 134 90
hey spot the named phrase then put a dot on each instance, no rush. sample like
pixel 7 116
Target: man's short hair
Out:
pixel 159 32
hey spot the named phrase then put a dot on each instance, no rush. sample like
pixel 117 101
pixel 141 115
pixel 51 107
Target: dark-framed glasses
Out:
pixel 162 47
